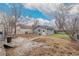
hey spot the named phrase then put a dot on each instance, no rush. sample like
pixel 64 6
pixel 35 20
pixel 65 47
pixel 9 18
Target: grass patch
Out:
pixel 60 36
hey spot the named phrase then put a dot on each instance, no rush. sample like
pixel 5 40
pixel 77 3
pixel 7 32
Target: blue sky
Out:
pixel 25 11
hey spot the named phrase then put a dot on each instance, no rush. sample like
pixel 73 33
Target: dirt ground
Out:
pixel 33 45
pixel 43 46
pixel 28 36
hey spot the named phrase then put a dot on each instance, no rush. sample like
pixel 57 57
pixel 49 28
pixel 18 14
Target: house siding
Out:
pixel 43 31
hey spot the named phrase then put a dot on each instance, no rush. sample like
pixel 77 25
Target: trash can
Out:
pixel 9 39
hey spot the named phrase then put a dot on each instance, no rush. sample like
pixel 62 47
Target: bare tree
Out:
pixel 9 22
pixel 35 23
pixel 66 22
pixel 16 12
pixel 2 19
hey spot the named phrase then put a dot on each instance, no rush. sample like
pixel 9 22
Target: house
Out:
pixel 43 30
pixel 24 29
pixel 39 30
pixel 1 32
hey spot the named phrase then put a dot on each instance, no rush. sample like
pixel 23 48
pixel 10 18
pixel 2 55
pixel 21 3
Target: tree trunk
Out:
pixel 73 37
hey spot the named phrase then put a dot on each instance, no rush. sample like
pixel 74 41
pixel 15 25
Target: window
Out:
pixel 38 30
pixel 39 33
pixel 1 33
pixel 43 30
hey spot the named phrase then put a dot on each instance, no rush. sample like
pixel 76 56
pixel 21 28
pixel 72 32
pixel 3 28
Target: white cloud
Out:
pixel 48 8
pixel 45 7
pixel 43 21
pixel 30 22
pixel 75 9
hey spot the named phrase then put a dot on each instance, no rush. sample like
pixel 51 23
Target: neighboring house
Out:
pixel 23 29
pixel 1 32
pixel 43 30
pixel 39 30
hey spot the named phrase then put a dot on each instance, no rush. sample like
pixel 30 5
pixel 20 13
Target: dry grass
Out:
pixel 56 47
pixel 51 47
pixel 28 36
